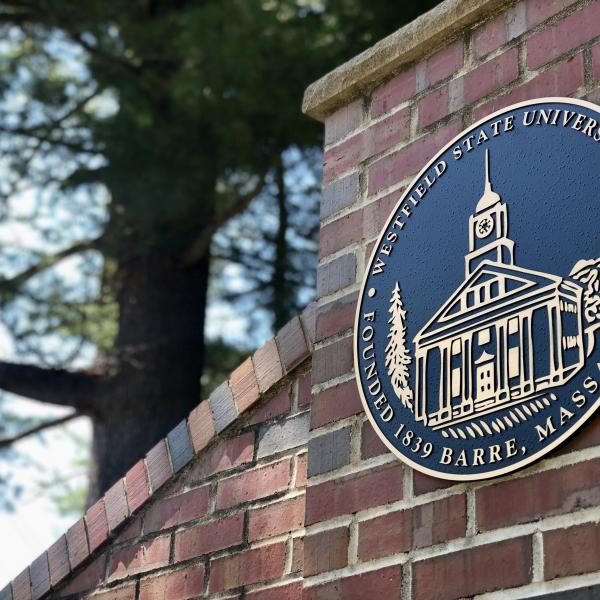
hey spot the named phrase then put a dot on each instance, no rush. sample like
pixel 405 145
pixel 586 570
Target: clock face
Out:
pixel 484 227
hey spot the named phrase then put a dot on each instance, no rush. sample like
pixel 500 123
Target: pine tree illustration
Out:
pixel 397 354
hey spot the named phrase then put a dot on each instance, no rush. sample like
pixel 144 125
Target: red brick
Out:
pixel 343 121
pixel 394 92
pixel 88 579
pixel 385 584
pixel 309 322
pixel 304 390
pixel 335 317
pixel 370 443
pixel 159 466
pixel 292 591
pixel 553 492
pixel 201 424
pixel 244 386
pixel 96 524
pixel 335 403
pixel 561 80
pixel 477 570
pixel 490 36
pixel 572 551
pixel 77 543
pixel 131 532
pixel 445 62
pixel 433 107
pixel 340 233
pixel 139 558
pixel 350 494
pixel 267 365
pixel 276 406
pixel 227 455
pixel 333 360
pixel 209 537
pixel 254 484
pixel 275 519
pixel 409 160
pixel 540 10
pixel 58 560
pixel 418 527
pixel 183 508
pixel 596 61
pixel 125 592
pixel 493 75
pixel 423 484
pixel 301 471
pixel 178 585
pixel 21 586
pixel 251 566
pixel 377 213
pixel 136 484
pixel 376 139
pixel 298 555
pixel 115 502
pixel 326 551
pixel 570 32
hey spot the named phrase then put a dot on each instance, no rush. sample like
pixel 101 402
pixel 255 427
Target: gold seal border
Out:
pixel 563 437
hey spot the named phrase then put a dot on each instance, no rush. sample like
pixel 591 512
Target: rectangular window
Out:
pixel 456 380
pixel 513 362
pixel 484 337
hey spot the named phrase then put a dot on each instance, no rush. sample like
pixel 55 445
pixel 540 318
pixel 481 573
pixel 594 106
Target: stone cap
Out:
pixel 103 521
pixel 413 41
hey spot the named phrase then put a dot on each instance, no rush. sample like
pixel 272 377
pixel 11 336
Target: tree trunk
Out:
pixel 159 351
pixel 283 299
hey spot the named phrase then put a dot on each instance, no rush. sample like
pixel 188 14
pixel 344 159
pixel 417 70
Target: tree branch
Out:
pixel 200 246
pixel 77 389
pixel 5 442
pixel 15 282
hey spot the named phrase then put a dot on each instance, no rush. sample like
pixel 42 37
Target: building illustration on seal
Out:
pixel 504 336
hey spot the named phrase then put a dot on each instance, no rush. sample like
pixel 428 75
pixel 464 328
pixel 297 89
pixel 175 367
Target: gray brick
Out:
pixel 329 451
pixel 336 275
pixel 339 194
pixel 588 593
pixel 343 121
pixel 40 576
pixel 283 435
pixel 223 407
pixel 293 348
pixel 180 446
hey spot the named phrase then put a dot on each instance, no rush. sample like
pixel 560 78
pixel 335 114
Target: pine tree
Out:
pixel 397 355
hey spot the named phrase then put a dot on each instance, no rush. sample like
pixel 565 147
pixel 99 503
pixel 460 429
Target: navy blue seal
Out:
pixel 477 343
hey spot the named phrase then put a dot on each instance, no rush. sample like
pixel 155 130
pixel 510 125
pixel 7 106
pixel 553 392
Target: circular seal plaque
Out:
pixel 477 333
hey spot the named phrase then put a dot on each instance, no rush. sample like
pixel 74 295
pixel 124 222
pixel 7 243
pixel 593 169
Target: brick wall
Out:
pixel 216 509
pixel 232 520
pixel 376 528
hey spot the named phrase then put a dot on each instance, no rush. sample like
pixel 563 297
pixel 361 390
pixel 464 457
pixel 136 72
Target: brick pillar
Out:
pixel 375 528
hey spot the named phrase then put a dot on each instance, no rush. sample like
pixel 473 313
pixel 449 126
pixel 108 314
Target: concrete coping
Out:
pixel 411 42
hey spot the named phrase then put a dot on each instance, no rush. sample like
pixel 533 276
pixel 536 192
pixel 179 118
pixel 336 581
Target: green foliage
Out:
pixel 143 131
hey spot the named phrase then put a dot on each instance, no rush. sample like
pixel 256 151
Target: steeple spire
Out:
pixel 489 197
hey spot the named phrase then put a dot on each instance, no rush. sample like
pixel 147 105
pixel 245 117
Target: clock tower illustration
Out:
pixel 506 335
